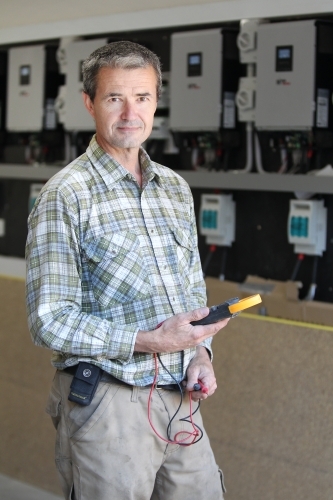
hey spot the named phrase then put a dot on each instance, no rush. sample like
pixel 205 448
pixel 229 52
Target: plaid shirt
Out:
pixel 106 258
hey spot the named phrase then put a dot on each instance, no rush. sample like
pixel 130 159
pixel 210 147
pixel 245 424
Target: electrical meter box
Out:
pixel 217 219
pixel 75 115
pixel 26 80
pixel 307 222
pixel 294 76
pixel 204 75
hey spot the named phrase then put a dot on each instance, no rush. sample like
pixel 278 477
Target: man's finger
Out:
pixel 198 314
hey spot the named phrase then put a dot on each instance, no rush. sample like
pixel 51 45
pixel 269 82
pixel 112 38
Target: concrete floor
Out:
pixel 10 489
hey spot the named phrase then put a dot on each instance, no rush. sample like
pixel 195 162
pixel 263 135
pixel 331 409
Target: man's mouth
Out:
pixel 129 127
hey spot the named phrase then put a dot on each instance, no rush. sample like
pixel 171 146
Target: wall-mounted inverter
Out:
pixel 294 76
pixel 26 80
pixel 75 115
pixel 204 75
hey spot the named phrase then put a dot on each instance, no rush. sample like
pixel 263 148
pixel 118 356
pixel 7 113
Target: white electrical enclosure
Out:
pixel 26 78
pixel 75 116
pixel 286 58
pixel 196 79
pixel 307 223
pixel 217 219
pixel 247 40
pixel 245 99
pixel 160 128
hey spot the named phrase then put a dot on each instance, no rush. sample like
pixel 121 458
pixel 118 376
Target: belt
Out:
pixel 107 377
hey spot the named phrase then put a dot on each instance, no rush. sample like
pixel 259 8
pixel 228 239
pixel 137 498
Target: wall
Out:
pixel 46 11
pixel 27 435
pixel 269 421
pixel 23 21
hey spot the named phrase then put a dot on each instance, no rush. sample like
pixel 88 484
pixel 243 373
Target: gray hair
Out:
pixel 124 55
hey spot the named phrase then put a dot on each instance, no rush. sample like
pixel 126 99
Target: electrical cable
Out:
pixel 180 404
pixel 212 249
pixel 181 397
pixel 313 286
pixel 257 154
pixel 223 264
pixel 249 151
pixel 284 160
pixel 300 258
pixel 314 269
pixel 196 433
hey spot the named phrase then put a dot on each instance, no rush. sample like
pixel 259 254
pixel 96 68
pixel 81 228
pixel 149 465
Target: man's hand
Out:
pixel 201 368
pixel 177 334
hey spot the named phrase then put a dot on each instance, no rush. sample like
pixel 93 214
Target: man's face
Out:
pixel 124 107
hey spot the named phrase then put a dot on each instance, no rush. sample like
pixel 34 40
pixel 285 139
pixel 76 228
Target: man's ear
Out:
pixel 88 104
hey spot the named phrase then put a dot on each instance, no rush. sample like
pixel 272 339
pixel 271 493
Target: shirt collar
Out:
pixel 112 171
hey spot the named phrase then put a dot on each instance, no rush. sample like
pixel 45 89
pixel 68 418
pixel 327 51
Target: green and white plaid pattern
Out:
pixel 106 258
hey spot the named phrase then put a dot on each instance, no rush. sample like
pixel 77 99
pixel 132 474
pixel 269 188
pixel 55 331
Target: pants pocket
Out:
pixel 65 474
pixel 82 418
pixel 222 481
pixel 53 406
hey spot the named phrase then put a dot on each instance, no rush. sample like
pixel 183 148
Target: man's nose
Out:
pixel 128 111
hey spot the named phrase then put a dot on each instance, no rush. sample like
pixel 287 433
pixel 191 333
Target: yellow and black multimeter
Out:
pixel 228 309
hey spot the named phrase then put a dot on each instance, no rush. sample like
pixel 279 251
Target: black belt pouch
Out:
pixel 84 383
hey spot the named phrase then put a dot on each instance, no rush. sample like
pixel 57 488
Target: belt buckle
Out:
pixel 166 387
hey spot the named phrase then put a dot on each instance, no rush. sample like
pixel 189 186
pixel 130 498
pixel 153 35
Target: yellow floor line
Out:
pixel 287 322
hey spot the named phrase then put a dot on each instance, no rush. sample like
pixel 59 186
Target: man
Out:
pixel 114 279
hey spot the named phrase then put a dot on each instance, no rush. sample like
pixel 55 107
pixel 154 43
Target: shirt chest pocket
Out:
pixel 184 251
pixel 116 269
